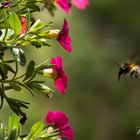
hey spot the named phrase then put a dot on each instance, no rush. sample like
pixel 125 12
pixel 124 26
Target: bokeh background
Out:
pixel 99 107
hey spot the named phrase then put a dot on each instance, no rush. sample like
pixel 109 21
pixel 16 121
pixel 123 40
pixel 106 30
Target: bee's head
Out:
pixel 124 69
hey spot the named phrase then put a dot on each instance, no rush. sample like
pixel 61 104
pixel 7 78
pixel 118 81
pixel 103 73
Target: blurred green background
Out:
pixel 99 107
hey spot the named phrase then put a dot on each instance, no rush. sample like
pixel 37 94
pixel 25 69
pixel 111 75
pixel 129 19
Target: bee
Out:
pixel 133 69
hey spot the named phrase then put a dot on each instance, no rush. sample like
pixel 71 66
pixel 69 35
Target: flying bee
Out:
pixel 128 68
pixel 133 69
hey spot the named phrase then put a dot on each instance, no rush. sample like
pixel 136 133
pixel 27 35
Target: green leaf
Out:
pixel 28 20
pixel 13 127
pixel 15 86
pixel 2 97
pixel 40 88
pixel 2 135
pixel 3 72
pixel 36 130
pixel 9 68
pixel 34 7
pixel 19 55
pixel 5 22
pixel 15 23
pixel 30 70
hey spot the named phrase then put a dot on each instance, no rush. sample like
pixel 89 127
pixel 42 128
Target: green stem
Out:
pixel 42 63
pixel 9 61
pixel 16 71
pixel 19 76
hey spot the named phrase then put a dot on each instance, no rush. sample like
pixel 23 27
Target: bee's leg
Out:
pixel 131 74
pixel 136 75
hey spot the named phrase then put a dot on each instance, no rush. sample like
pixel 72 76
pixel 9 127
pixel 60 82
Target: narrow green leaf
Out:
pixel 5 22
pixel 15 23
pixel 28 20
pixel 15 86
pixel 2 97
pixel 9 68
pixel 3 72
pixel 30 70
pixel 14 127
pixel 2 135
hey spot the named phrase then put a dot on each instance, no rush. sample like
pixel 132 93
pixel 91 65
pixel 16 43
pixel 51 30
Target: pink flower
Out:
pixel 23 24
pixel 61 122
pixel 59 75
pixel 80 4
pixel 64 38
pixel 64 4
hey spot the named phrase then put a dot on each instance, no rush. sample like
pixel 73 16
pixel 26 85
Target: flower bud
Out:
pixel 36 25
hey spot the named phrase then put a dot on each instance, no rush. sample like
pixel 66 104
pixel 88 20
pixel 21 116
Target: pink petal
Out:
pixel 65 27
pixel 57 61
pixel 64 4
pixel 68 133
pixel 61 83
pixel 65 41
pixel 57 117
pixel 64 38
pixel 80 4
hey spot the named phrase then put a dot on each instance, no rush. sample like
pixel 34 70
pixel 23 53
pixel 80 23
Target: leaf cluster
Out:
pixel 39 131
pixel 12 41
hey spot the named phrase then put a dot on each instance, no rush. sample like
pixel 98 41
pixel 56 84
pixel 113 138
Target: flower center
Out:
pixel 51 129
pixel 51 73
pixel 53 34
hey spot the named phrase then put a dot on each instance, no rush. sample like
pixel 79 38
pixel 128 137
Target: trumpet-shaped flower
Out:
pixel 64 4
pixel 58 74
pixel 61 78
pixel 80 4
pixel 62 36
pixel 60 121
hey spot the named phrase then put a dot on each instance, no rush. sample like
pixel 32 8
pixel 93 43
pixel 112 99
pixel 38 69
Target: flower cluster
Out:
pixel 19 29
pixel 57 72
pixel 66 4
